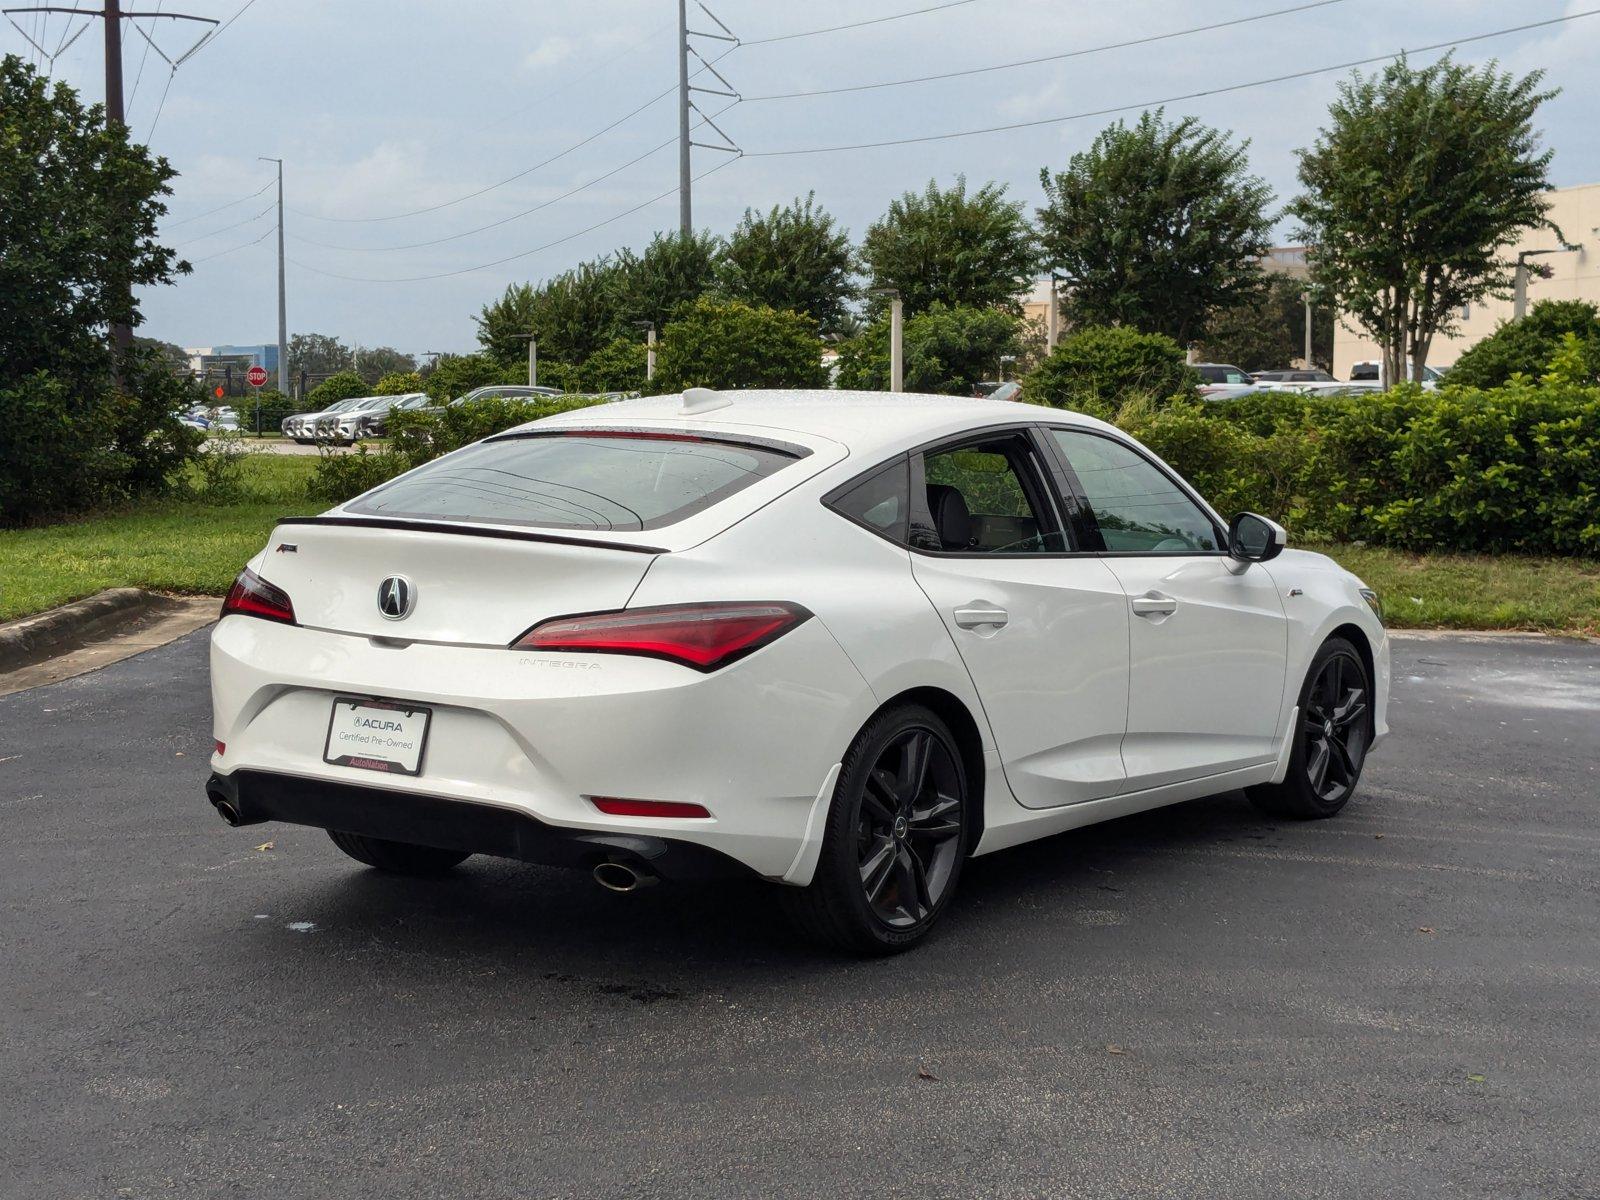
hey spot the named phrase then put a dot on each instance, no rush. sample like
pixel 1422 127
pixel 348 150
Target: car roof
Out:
pixel 866 423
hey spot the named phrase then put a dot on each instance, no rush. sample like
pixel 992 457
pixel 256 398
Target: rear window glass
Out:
pixel 599 481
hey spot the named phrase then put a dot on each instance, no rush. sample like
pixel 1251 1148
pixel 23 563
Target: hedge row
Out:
pixel 1510 469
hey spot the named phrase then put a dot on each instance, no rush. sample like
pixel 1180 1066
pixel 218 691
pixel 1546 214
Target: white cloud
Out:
pixel 549 53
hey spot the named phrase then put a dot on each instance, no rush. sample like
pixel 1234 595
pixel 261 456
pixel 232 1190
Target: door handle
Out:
pixel 978 614
pixel 1154 604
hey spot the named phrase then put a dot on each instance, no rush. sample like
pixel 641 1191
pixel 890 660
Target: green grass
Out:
pixel 197 547
pixel 186 546
pixel 1473 591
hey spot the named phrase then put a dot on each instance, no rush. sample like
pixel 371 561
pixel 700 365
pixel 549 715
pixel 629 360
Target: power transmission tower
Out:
pixel 283 320
pixel 113 16
pixel 686 105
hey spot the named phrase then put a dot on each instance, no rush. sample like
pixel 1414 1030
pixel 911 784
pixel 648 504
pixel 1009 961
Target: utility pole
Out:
pixel 533 361
pixel 1052 328
pixel 686 105
pixel 685 217
pixel 113 16
pixel 897 364
pixel 649 328
pixel 1308 329
pixel 283 319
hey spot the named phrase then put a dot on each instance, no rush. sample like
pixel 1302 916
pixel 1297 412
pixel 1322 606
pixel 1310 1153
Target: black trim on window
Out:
pixel 1081 497
pixel 464 530
pixel 789 449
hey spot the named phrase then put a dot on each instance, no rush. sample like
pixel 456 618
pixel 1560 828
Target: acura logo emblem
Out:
pixel 397 595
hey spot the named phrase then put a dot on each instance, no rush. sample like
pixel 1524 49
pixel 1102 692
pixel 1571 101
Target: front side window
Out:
pixel 986 499
pixel 1137 507
pixel 592 481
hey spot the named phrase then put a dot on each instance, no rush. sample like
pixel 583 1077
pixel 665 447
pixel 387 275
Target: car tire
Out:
pixel 1330 746
pixel 400 858
pixel 895 838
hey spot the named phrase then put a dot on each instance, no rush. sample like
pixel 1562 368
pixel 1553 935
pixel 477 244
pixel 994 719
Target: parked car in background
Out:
pixel 499 391
pixel 355 423
pixel 1222 381
pixel 374 422
pixel 1291 378
pixel 302 427
pixel 1372 372
pixel 840 642
pixel 1010 390
pixel 1360 388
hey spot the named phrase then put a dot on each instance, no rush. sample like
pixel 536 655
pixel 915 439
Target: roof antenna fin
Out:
pixel 699 400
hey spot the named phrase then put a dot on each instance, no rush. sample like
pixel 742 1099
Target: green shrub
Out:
pixel 346 385
pixel 417 437
pixel 454 375
pixel 274 406
pixel 948 350
pixel 1099 369
pixel 730 344
pixel 398 383
pixel 618 366
pixel 1526 347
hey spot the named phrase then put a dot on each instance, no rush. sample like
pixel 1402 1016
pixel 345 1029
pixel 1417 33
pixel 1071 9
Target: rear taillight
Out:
pixel 253 596
pixel 617 807
pixel 702 636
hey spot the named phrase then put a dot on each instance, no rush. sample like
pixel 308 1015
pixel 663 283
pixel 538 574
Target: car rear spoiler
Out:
pixel 465 530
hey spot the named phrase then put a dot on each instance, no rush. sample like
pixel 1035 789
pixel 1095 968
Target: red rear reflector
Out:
pixel 253 596
pixel 221 748
pixel 647 808
pixel 702 636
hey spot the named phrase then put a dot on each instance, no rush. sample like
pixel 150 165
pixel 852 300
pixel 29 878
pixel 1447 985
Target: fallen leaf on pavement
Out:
pixel 1378 837
pixel 1475 1078
pixel 924 1073
pixel 1115 1049
pixel 266 846
pixel 1424 928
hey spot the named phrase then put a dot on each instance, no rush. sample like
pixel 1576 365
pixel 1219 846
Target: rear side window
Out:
pixel 881 501
pixel 598 481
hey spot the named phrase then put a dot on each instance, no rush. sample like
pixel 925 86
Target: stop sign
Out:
pixel 256 376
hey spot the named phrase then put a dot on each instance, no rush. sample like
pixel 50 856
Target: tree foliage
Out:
pixel 1156 226
pixel 400 383
pixel 79 206
pixel 317 354
pixel 1099 369
pixel 345 385
pixel 1528 346
pixel 618 366
pixel 731 344
pixel 372 363
pixel 1268 333
pixel 951 247
pixel 792 257
pixel 1421 179
pixel 947 351
pixel 673 271
pixel 455 375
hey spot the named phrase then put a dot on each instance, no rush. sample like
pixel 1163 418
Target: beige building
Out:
pixel 1574 275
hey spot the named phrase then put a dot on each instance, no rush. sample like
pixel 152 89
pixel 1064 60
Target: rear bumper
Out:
pixel 426 820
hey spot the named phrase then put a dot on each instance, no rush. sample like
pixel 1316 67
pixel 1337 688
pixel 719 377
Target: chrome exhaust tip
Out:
pixel 621 876
pixel 227 810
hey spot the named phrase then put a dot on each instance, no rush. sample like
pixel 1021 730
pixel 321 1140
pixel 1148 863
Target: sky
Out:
pixel 382 108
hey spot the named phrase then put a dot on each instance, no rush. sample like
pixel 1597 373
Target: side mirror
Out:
pixel 1253 538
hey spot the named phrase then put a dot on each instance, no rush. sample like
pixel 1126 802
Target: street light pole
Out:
pixel 283 319
pixel 1308 328
pixel 649 328
pixel 1519 278
pixel 1053 321
pixel 533 360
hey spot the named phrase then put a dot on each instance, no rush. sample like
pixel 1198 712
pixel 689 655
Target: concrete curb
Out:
pixel 36 638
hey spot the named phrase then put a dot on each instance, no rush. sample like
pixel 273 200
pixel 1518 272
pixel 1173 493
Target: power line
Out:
pixel 454 237
pixel 656 199
pixel 201 216
pixel 134 95
pixel 226 228
pixel 161 105
pixel 526 171
pixel 213 34
pixel 233 249
pixel 1028 62
pixel 1217 91
pixel 916 12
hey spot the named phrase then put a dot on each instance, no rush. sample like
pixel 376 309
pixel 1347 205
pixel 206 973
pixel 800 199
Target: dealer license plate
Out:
pixel 377 735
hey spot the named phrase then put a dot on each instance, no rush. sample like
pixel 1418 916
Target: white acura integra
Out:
pixel 839 641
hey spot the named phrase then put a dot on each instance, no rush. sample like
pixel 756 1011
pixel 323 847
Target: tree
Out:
pixel 79 206
pixel 674 270
pixel 372 364
pixel 948 351
pixel 398 383
pixel 973 250
pixel 1269 332
pixel 618 366
pixel 731 344
pixel 1421 180
pixel 455 375
pixel 1156 226
pixel 1099 369
pixel 317 354
pixel 1527 347
pixel 792 257
pixel 346 385
pixel 573 315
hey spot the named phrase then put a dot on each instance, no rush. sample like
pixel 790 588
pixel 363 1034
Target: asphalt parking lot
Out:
pixel 1195 1002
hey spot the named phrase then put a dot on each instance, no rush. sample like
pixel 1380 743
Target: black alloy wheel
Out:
pixel 1334 728
pixel 909 830
pixel 895 839
pixel 1331 743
